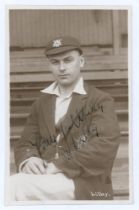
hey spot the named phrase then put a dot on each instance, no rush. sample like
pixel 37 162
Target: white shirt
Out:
pixel 62 103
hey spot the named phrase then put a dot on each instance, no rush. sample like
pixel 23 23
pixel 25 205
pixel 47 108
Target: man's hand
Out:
pixel 52 169
pixel 34 165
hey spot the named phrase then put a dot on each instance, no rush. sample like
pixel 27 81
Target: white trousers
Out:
pixel 28 187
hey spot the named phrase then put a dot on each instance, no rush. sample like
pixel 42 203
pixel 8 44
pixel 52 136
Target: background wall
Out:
pixel 33 28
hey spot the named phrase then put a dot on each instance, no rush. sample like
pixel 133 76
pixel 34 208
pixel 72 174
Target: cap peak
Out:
pixel 62 44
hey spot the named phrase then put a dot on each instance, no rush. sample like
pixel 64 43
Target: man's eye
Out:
pixel 54 62
pixel 68 60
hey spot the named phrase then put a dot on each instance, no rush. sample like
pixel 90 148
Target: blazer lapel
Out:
pixel 77 103
pixel 49 114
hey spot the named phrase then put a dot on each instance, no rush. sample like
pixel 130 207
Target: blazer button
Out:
pixel 28 150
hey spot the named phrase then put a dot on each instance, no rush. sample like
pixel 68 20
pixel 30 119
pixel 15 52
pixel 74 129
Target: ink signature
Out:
pixel 83 136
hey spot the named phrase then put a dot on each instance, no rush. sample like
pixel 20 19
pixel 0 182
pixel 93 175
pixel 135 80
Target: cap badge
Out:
pixel 57 43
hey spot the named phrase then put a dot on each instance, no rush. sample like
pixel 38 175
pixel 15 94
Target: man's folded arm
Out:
pixel 26 147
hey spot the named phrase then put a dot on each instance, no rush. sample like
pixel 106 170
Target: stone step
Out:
pixel 41 77
pixel 16 103
pixel 120 172
pixel 16 132
pixel 26 107
pixel 17 119
pixel 32 89
pixel 30 64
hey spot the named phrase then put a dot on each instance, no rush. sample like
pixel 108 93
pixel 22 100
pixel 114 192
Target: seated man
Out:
pixel 70 141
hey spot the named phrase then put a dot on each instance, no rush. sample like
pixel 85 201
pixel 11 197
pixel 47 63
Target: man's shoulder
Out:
pixel 42 98
pixel 95 92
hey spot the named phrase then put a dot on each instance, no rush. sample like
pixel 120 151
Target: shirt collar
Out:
pixel 53 88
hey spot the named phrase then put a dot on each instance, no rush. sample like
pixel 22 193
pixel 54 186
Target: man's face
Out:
pixel 66 67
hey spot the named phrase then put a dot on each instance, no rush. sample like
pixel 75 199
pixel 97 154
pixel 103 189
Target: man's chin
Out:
pixel 65 83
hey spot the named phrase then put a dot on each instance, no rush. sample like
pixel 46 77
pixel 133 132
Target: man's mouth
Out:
pixel 63 75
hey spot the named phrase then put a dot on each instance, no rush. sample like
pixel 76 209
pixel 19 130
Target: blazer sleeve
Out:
pixel 97 155
pixel 26 146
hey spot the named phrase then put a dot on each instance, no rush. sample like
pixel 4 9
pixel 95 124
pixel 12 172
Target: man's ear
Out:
pixel 82 61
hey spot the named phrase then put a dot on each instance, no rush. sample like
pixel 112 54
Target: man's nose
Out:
pixel 61 66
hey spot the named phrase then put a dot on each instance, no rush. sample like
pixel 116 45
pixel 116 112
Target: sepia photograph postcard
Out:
pixel 69 138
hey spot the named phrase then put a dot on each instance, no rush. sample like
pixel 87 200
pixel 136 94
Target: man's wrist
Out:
pixel 22 164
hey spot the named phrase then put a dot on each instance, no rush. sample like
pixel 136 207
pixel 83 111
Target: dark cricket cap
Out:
pixel 62 44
